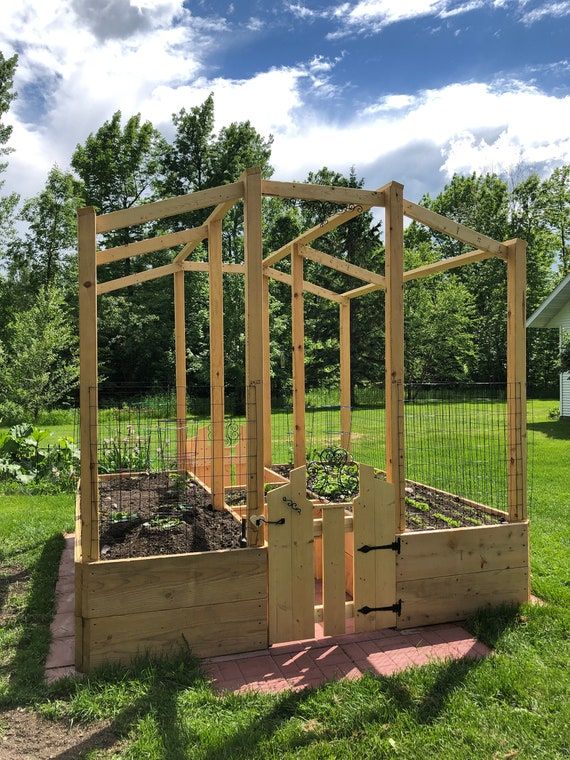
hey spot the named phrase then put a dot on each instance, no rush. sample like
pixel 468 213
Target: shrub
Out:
pixel 24 461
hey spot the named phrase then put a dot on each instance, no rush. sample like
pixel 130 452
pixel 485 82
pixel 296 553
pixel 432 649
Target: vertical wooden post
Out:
pixel 298 340
pixel 268 454
pixel 516 379
pixel 394 382
pixel 254 348
pixel 345 410
pixel 180 358
pixel 88 394
pixel 216 361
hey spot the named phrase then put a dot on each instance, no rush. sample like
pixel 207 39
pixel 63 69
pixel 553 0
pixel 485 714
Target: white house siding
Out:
pixel 563 320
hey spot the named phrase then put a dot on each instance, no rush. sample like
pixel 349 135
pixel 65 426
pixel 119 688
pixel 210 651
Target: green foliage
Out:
pixel 38 367
pixel 131 451
pixel 46 255
pixel 332 474
pixel 26 459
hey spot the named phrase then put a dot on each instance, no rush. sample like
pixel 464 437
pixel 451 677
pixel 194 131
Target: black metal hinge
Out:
pixel 394 546
pixel 397 608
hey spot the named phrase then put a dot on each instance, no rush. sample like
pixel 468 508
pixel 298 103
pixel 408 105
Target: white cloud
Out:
pixel 460 128
pixel 556 10
pixel 419 138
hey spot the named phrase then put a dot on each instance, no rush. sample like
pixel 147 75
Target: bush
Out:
pixel 23 461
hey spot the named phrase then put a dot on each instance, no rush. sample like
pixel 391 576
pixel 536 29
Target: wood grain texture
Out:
pixel 340 265
pixel 180 363
pixel 333 570
pixel 453 229
pixel 459 551
pixel 453 597
pixel 327 193
pixel 150 245
pixel 290 561
pixel 374 571
pixel 516 380
pixel 152 584
pixel 308 287
pixel 254 350
pixel 181 204
pixel 344 350
pixel 209 630
pixel 298 347
pixel 88 385
pixel 394 350
pixel 217 400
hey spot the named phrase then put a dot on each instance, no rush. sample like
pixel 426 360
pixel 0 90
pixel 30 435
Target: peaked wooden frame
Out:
pixel 258 271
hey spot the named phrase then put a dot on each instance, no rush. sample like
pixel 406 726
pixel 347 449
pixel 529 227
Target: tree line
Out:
pixel 455 322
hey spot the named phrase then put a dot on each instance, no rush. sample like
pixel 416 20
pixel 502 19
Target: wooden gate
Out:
pixel 355 558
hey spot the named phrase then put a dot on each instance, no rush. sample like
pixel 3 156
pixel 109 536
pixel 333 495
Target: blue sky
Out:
pixel 412 90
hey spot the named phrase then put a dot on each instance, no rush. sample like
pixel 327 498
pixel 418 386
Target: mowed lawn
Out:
pixel 516 704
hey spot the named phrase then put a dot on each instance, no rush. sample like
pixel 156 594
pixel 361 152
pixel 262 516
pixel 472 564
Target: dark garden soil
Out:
pixel 426 508
pixel 143 516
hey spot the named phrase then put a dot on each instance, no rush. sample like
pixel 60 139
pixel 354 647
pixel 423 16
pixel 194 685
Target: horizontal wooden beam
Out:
pixel 316 290
pixel 159 243
pixel 363 290
pixel 181 204
pixel 328 193
pixel 320 257
pixel 453 229
pixel 472 257
pixel 135 279
pixel 203 266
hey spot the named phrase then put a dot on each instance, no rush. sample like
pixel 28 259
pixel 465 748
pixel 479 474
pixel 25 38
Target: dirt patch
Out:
pixel 147 515
pixel 26 736
pixel 426 508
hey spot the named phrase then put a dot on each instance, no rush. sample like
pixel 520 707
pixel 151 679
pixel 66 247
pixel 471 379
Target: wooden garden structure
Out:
pixel 238 600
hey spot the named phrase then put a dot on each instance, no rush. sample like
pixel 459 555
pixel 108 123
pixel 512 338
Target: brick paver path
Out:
pixel 295 665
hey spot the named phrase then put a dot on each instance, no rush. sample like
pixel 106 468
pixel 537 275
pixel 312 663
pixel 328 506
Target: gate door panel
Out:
pixel 374 553
pixel 290 538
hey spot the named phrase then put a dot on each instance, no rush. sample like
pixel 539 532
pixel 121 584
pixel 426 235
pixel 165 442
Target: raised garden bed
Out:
pixel 149 515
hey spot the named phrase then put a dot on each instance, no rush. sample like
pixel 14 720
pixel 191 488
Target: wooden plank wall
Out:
pixel 446 575
pixel 211 602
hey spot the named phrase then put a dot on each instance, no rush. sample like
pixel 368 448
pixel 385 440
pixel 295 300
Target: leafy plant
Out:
pixel 131 452
pixel 119 517
pixel 159 524
pixel 25 461
pixel 334 476
pixel 422 506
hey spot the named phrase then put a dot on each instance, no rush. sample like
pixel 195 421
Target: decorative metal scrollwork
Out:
pixel 333 472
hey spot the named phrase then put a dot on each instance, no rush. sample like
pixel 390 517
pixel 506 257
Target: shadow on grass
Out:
pixel 26 667
pixel 558 429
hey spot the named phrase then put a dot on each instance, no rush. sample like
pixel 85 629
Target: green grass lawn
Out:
pixel 513 705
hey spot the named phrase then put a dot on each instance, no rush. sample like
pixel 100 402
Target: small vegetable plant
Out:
pixel 333 474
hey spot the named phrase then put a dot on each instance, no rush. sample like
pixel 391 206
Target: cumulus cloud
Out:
pixel 420 138
pixel 457 128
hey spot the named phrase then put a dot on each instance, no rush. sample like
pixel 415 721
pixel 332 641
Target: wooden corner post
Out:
pixel 394 311
pixel 180 357
pixel 88 395
pixel 268 453
pixel 516 379
pixel 254 349
pixel 216 360
pixel 298 343
pixel 345 411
